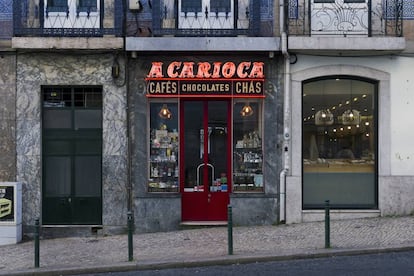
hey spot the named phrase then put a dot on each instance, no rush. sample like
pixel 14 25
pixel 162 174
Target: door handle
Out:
pixel 70 200
pixel 209 198
pixel 198 172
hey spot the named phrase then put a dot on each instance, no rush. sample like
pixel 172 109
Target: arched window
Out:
pixel 339 142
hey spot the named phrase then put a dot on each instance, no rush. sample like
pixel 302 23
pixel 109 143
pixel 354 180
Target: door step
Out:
pixel 64 231
pixel 202 224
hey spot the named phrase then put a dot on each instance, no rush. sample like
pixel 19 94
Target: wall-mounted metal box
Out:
pixel 10 212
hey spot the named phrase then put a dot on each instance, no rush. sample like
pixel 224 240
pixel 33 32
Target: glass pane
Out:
pixel 193 146
pixel 88 119
pixel 88 146
pixel 88 176
pixel 87 6
pixel 220 5
pixel 339 143
pixel 57 176
pixel 88 97
pixel 57 97
pixel 247 148
pixel 163 164
pixel 57 5
pixel 54 118
pixel 87 3
pixel 217 146
pixel 57 147
pixel 190 6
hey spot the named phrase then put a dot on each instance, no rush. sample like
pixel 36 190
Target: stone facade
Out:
pixel 8 117
pixel 35 70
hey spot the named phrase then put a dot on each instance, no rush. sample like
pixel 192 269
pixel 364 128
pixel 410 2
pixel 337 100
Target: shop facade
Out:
pixel 347 142
pixel 205 131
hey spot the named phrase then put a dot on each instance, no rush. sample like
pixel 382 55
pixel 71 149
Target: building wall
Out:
pixel 8 117
pixel 37 69
pixel 396 152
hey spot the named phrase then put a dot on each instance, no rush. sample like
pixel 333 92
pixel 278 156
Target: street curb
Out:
pixel 223 260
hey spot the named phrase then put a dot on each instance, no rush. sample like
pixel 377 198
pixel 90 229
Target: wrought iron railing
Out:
pixel 71 18
pixel 344 17
pixel 234 17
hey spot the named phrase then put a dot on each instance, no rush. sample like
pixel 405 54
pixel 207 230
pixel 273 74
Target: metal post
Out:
pixel 130 236
pixel 327 225
pixel 230 228
pixel 36 243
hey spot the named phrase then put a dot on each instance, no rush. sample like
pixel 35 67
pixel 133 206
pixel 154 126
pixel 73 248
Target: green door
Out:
pixel 72 155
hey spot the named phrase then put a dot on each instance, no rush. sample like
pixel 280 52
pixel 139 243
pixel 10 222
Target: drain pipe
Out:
pixel 286 116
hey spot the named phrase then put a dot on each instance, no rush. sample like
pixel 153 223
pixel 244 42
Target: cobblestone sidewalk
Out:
pixel 208 245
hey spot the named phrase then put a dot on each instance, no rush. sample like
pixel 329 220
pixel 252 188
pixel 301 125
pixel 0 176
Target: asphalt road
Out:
pixel 400 263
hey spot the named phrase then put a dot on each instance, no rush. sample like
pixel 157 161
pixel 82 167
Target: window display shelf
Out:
pixel 163 162
pixel 246 188
pixel 247 175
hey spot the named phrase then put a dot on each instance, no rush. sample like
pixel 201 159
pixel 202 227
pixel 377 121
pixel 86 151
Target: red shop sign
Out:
pixel 217 79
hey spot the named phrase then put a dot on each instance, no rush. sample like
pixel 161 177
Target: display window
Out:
pixel 247 146
pixel 339 143
pixel 164 144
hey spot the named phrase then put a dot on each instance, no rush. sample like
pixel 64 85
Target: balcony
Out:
pixel 345 27
pixel 206 18
pixel 67 18
pixel 345 18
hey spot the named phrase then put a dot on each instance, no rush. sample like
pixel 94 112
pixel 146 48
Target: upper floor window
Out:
pixel 206 14
pixel 345 1
pixel 66 5
pixel 72 14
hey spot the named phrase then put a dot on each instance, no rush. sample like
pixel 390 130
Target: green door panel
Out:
pixel 72 156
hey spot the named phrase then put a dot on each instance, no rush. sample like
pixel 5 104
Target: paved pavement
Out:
pixel 67 256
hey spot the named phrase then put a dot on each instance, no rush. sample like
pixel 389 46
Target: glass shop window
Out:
pixel 339 146
pixel 247 147
pixel 163 151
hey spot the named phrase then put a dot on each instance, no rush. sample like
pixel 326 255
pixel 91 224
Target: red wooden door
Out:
pixel 205 159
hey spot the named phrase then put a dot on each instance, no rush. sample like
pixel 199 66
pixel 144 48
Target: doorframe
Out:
pixel 229 163
pixel 72 137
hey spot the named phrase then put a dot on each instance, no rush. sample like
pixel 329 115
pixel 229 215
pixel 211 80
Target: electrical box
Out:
pixel 10 212
pixel 135 5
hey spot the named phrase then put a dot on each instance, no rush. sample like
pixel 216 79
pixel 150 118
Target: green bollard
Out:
pixel 36 243
pixel 327 225
pixel 130 219
pixel 230 228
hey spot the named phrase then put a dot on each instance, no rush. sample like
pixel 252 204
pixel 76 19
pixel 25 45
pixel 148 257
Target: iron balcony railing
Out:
pixel 67 18
pixel 225 18
pixel 344 17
